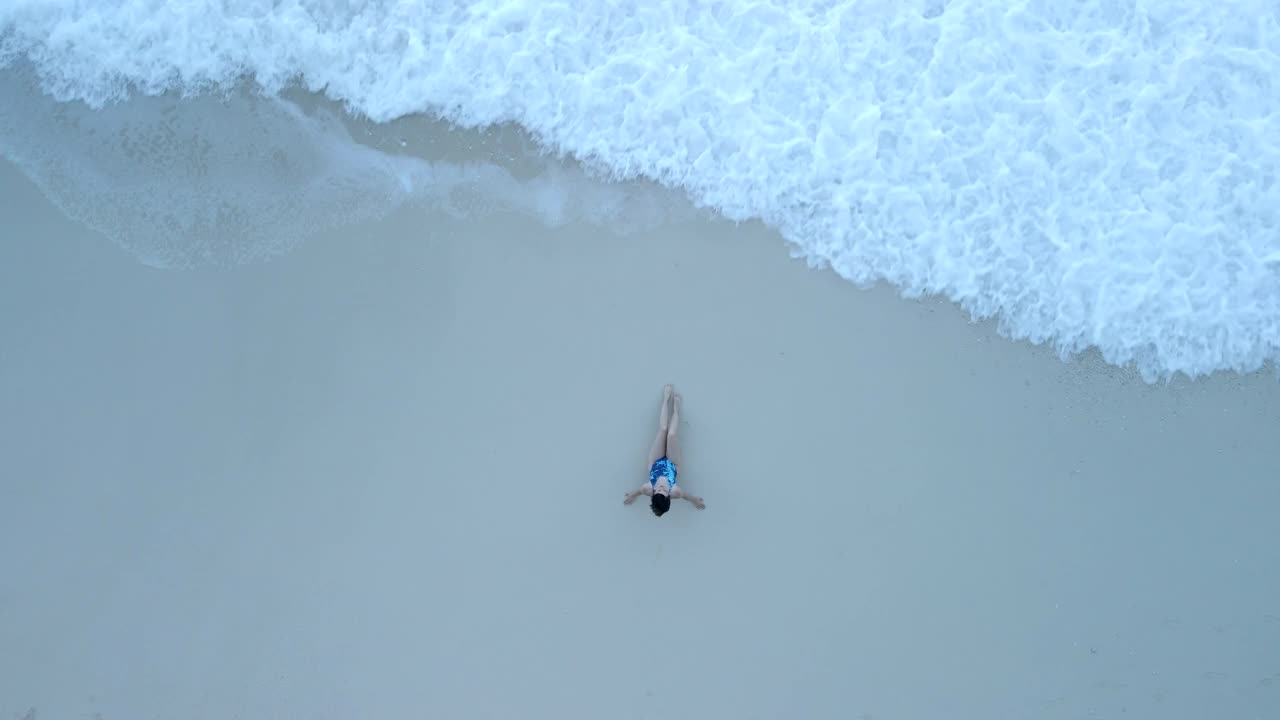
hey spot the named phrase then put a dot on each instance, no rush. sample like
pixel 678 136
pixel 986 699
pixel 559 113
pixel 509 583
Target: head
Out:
pixel 660 504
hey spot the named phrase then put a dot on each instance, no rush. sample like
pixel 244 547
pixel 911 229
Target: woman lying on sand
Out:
pixel 664 457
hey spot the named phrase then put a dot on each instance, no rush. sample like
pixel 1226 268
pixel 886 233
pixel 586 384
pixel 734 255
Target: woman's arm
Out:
pixel 697 501
pixel 631 496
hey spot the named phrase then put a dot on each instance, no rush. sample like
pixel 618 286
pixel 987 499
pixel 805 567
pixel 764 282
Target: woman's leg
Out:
pixel 659 447
pixel 673 443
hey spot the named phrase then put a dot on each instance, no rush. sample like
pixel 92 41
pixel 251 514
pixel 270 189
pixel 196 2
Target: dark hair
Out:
pixel 660 504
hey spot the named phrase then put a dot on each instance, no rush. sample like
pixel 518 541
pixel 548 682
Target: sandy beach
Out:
pixel 381 477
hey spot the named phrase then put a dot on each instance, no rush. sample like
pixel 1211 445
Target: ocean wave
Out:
pixel 1096 174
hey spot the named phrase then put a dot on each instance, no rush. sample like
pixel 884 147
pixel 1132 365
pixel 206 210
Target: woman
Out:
pixel 664 458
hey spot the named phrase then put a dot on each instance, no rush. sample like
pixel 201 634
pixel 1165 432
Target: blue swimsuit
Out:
pixel 662 467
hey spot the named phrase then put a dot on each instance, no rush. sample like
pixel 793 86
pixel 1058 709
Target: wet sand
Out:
pixel 381 476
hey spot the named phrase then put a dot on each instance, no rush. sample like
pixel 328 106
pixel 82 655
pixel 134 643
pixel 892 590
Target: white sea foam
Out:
pixel 240 178
pixel 1094 174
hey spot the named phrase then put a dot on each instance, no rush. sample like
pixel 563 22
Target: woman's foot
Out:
pixel 664 415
